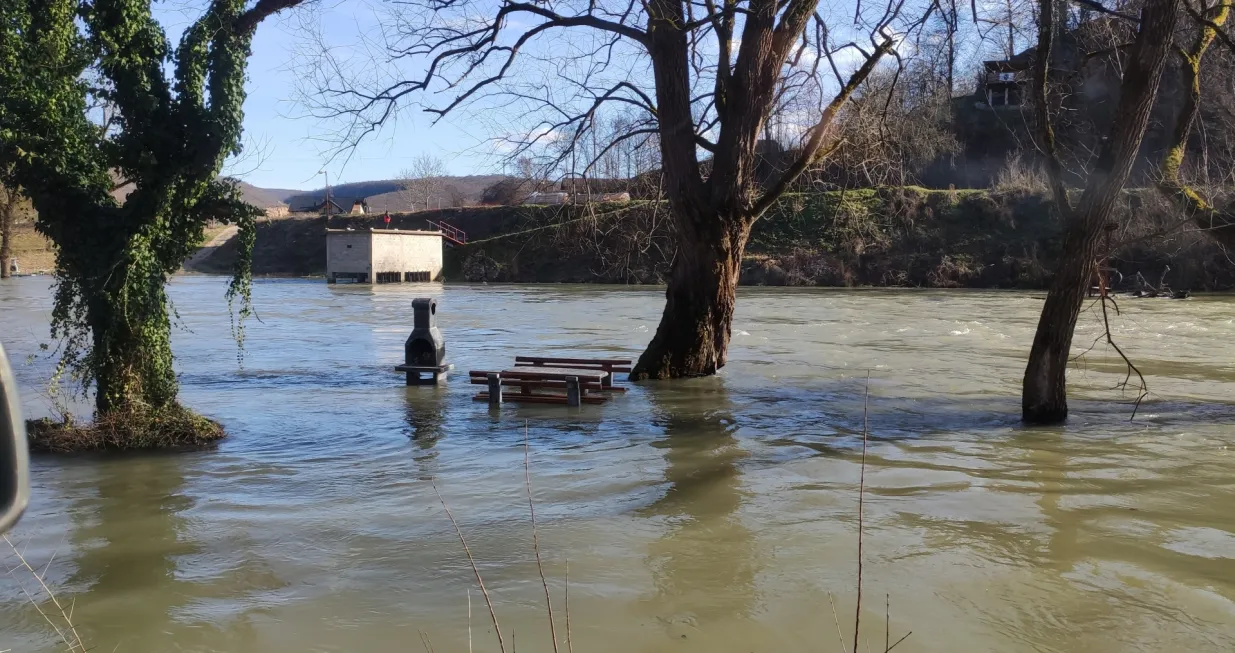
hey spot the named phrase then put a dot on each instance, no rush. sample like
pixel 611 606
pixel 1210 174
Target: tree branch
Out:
pixel 818 132
pixel 585 20
pixel 1218 31
pixel 247 22
pixel 1047 22
pixel 1097 6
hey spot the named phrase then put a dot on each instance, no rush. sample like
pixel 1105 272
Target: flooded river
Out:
pixel 696 516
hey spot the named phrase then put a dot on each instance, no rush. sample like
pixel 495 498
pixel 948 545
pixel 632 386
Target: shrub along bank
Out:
pixel 870 237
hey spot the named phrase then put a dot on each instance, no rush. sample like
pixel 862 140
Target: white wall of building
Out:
pixel 349 252
pixel 376 251
pixel 407 252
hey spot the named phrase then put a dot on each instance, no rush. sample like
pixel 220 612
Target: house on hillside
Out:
pixel 1085 76
pixel 1083 65
pixel 1005 83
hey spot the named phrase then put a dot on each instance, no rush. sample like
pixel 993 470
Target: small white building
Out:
pixel 383 255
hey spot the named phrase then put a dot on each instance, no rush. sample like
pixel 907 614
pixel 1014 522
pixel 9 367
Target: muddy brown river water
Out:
pixel 697 516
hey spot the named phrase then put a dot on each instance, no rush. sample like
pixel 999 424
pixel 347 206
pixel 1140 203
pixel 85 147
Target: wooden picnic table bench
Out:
pixel 610 365
pixel 576 383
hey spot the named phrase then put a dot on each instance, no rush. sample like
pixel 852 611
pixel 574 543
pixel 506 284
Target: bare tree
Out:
pixel 1044 390
pixel 704 77
pixel 1210 18
pixel 892 130
pixel 1004 21
pixel 421 182
pixel 940 45
pixel 456 196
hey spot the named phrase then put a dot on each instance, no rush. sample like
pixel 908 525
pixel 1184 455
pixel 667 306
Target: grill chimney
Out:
pixel 425 350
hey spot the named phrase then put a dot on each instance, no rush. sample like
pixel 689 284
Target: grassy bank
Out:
pixel 870 237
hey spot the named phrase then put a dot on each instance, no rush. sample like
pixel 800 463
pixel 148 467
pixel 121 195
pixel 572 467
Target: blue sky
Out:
pixel 290 150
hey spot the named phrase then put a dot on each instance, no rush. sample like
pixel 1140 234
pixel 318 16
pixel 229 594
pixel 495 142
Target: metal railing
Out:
pixel 451 233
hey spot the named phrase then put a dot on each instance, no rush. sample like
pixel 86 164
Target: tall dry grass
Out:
pixel 64 627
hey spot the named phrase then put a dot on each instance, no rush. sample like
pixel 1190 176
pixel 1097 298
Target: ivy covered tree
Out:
pixel 95 102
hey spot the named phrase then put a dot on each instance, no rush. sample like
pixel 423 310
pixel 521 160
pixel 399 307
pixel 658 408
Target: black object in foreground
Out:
pixel 14 457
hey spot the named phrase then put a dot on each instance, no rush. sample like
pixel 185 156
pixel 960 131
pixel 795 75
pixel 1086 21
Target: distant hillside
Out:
pixel 387 195
pixel 265 197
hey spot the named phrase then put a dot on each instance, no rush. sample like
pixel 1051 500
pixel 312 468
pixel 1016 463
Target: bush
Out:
pixel 174 427
pixel 1018 174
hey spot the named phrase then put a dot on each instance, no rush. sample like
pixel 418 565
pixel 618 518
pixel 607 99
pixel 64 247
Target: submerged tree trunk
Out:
pixel 693 336
pixel 180 117
pixel 1044 396
pixel 132 346
pixel 8 216
pixel 714 217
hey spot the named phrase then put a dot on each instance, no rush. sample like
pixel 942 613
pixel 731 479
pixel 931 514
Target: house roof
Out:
pixel 1019 62
pixel 341 204
pixel 392 232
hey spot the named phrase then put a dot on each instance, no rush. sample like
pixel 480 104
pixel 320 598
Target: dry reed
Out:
pixel 475 570
pixel 857 616
pixel 74 643
pixel 527 477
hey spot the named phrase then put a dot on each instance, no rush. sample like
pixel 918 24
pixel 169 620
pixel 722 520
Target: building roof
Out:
pixel 342 204
pixel 396 232
pixel 1021 61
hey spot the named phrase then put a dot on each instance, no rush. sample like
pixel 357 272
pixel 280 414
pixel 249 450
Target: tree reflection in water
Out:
pixel 143 579
pixel 703 567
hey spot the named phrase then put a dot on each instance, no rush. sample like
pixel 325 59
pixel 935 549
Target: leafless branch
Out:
pixel 531 507
pixel 475 570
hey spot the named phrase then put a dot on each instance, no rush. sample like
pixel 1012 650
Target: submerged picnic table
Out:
pixel 610 365
pixel 576 382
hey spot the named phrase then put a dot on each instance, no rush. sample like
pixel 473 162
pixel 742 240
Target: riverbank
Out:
pixel 894 237
pixel 897 237
pixel 35 255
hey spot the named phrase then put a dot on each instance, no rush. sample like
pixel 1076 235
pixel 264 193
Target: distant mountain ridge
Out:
pixel 381 195
pixel 265 197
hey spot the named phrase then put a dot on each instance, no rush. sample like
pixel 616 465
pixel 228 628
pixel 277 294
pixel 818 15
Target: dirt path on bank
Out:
pixel 221 238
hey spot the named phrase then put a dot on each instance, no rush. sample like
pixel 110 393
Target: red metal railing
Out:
pixel 451 233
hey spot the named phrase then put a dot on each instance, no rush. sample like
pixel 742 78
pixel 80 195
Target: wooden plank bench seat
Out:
pixel 610 365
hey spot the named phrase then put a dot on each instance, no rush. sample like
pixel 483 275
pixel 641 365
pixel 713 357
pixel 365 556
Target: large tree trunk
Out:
pixel 7 218
pixel 693 336
pixel 129 330
pixel 1044 396
pixel 714 218
pixel 134 350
